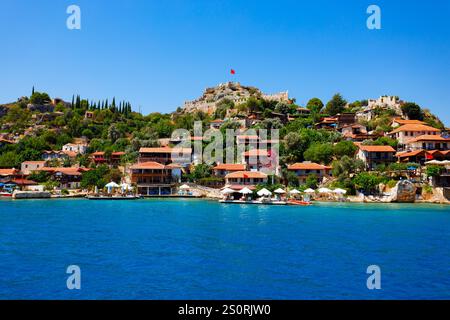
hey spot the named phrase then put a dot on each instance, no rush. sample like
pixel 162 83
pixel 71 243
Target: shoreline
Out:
pixel 211 199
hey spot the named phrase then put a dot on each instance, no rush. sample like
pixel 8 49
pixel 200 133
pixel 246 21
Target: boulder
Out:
pixel 404 191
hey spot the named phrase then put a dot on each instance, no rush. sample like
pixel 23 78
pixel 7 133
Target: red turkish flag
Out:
pixel 245 176
pixel 232 71
pixel 428 156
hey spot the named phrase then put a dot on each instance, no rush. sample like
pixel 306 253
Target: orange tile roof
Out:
pixel 402 121
pixel 230 167
pixel 256 152
pixel 217 121
pixel 165 150
pixel 246 175
pixel 308 166
pixel 73 171
pixel 376 148
pixel 414 128
pixel 410 153
pixel 8 172
pixel 152 165
pixel 98 153
pixel 35 162
pixel 248 137
pixel 24 182
pixel 428 137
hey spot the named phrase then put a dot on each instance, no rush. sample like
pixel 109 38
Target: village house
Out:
pixel 153 178
pixel 329 123
pixel 27 167
pixel 79 148
pixel 372 156
pixel 216 124
pixel 240 179
pixel 408 132
pixel 58 155
pixel 221 170
pixel 166 155
pixel 304 169
pixel 8 174
pixel 421 156
pixel 67 178
pixel 397 122
pixel 114 159
pixel 428 142
pixel 256 159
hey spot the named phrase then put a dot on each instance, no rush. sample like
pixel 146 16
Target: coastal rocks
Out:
pixel 31 195
pixel 404 191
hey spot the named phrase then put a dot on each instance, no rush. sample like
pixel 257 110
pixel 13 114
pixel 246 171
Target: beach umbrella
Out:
pixel 280 191
pixel 295 191
pixel 246 191
pixel 324 190
pixel 264 193
pixel 340 191
pixel 227 191
pixel 125 186
pixel 309 190
pixel 184 187
pixel 433 162
pixel 112 184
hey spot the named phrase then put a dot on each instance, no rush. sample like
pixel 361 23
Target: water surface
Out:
pixel 197 249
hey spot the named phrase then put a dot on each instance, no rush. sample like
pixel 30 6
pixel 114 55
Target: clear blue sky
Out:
pixel 156 54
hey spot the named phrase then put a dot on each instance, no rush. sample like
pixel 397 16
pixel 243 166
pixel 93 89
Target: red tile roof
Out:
pixel 35 162
pixel 8 172
pixel 23 182
pixel 246 175
pixel 230 167
pixel 151 165
pixel 402 121
pixel 376 148
pixel 256 152
pixel 415 128
pixel 429 137
pixel 308 166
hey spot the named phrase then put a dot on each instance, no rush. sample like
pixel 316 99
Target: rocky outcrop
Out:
pixel 404 191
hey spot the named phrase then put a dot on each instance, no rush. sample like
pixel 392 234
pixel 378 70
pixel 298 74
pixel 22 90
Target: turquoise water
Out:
pixel 197 249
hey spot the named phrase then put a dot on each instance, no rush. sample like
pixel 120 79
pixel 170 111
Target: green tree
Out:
pixel 412 111
pixel 345 148
pixel 315 105
pixel 319 152
pixel 335 105
pixel 39 98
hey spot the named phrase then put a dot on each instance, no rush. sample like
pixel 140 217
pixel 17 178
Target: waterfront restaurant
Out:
pixel 304 169
pixel 153 178
pixel 240 179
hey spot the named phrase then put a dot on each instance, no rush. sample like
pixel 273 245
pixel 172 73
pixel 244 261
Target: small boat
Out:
pixel 5 195
pixel 299 202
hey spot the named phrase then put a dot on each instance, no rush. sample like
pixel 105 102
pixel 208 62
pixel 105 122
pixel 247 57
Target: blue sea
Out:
pixel 200 249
